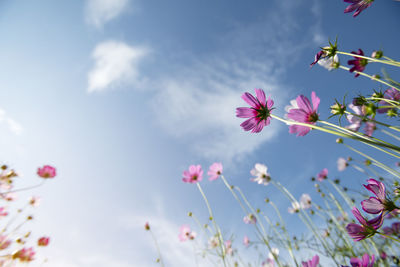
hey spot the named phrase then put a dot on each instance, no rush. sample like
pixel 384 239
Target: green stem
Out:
pixel 217 230
pixel 388 62
pixel 157 247
pixel 371 77
pixel 388 236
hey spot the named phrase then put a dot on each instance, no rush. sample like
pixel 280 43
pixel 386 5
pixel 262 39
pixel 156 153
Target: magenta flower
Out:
pixel 390 94
pixel 322 175
pixel 358 5
pixel 193 175
pixel 311 263
pixel 366 229
pixel 359 63
pixel 43 241
pixel 47 171
pixel 215 171
pixel 365 261
pixel 380 203
pixel 250 219
pixel 185 233
pixel 258 113
pixel 303 112
pixel 317 57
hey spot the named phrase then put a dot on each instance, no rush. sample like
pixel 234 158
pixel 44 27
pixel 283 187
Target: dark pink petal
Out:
pixel 358 216
pixel 261 96
pixel 372 205
pixel 249 124
pixel 315 101
pixel 304 103
pixel 270 103
pixel 377 222
pixel 396 227
pixel 250 100
pixel 376 187
pixel 351 8
pixel 355 262
pixel 355 231
pixel 245 112
pixel 315 261
pixel 387 230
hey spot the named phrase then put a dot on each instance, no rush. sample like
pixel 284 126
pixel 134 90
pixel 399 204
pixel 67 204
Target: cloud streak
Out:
pixel 115 63
pixel 99 12
pixel 11 124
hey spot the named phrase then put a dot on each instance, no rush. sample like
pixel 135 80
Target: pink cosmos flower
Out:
pixel 185 233
pixel 258 113
pixel 246 241
pixel 358 5
pixel 24 254
pixel 375 205
pixel 322 175
pixel 311 263
pixel 4 242
pixel 366 229
pixel 365 261
pixel 3 212
pixel 390 94
pixel 193 175
pixel 250 219
pixel 355 121
pixel 359 63
pixel 47 171
pixel 43 241
pixel 304 113
pixel 342 164
pixel 215 171
pixel 228 247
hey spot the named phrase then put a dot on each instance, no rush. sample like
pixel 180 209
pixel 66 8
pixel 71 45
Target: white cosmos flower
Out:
pixel 260 173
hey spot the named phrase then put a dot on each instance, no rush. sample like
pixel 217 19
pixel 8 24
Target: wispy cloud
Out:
pixel 198 102
pixel 99 12
pixel 11 124
pixel 115 63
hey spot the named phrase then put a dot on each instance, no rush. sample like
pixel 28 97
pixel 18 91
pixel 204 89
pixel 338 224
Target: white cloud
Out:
pixel 12 125
pixel 99 12
pixel 115 63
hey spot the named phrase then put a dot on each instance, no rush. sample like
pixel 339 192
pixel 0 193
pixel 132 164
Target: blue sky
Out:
pixel 123 95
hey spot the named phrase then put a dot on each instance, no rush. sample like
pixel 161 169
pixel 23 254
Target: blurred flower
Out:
pixel 250 219
pixel 305 201
pixel 377 54
pixel 311 263
pixel 215 171
pixel 3 212
pixel 34 201
pixel 246 241
pixel 261 174
pixel 359 63
pixel 322 175
pixel 193 175
pixel 358 5
pixel 258 113
pixel 273 253
pixel 342 164
pixel 304 113
pixel 393 230
pixel 369 128
pixel 213 242
pixel 24 254
pixel 393 214
pixel 43 241
pixel 295 207
pixel 268 263
pixel 228 247
pixel 185 233
pixel 363 262
pixel 366 229
pixel 390 94
pixel 355 120
pixel 147 226
pixel 4 242
pixel 47 172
